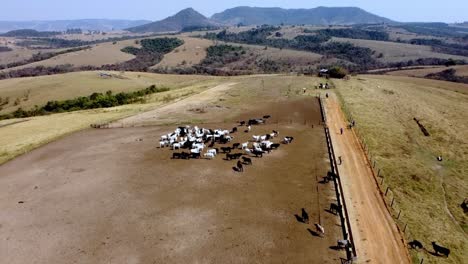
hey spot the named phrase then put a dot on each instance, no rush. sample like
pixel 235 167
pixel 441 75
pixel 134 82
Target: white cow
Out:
pixel 209 155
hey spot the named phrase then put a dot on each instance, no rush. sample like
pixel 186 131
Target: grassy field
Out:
pixel 394 52
pixel 18 53
pixel 98 55
pixel 192 52
pixel 428 192
pixel 18 136
pixel 38 90
pixel 461 70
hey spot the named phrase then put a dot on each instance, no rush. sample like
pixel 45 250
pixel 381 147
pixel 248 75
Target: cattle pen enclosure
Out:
pixel 111 195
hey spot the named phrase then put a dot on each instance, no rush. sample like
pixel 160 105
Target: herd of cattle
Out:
pixel 200 142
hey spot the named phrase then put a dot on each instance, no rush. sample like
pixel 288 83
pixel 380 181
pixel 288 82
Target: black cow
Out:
pixel 334 208
pixel 226 149
pixel 196 156
pixel 258 153
pixel 305 216
pixel 236 145
pixel 242 123
pixel 275 146
pixel 233 156
pixel 234 130
pixel 415 244
pixel 266 116
pixel 185 155
pixel 240 167
pixel 247 160
pixel 439 249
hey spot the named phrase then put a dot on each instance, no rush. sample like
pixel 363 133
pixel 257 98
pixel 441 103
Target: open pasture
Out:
pixel 115 189
pixel 428 192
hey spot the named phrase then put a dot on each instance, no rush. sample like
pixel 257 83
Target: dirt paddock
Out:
pixel 112 196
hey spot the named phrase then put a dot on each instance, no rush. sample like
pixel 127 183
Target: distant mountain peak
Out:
pixel 185 18
pixel 314 16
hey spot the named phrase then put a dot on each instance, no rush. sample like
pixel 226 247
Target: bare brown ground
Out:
pixel 111 196
pixel 376 235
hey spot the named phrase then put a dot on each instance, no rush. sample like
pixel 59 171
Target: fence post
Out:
pixel 393 200
pixel 378 173
pixel 404 229
pixel 386 190
pixel 398 217
pixel 382 183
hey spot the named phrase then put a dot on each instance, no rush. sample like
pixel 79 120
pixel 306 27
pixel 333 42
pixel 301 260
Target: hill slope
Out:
pixel 315 16
pixel 184 19
pixel 62 25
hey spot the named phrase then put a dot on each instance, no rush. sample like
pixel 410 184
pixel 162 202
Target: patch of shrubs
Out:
pixel 37 71
pixel 41 56
pixel 442 47
pixel 448 75
pixel 353 33
pixel 220 55
pixel 30 33
pixel 314 43
pixel 337 72
pixel 157 45
pixel 95 100
pixel 5 49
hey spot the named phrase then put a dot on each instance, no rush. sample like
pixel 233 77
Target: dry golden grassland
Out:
pixel 461 70
pixel 97 55
pixel 428 192
pixel 18 136
pixel 33 91
pixel 192 52
pixel 395 52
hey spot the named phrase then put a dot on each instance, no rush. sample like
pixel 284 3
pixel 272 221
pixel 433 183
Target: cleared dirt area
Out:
pixel 395 52
pixel 103 196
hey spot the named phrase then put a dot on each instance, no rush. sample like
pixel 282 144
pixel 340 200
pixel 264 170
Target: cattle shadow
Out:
pixel 299 218
pixel 236 169
pixel 330 211
pixel 313 233
pixel 434 253
pixel 337 248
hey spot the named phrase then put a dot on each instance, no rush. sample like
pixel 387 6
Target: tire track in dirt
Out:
pixel 152 116
pixel 376 235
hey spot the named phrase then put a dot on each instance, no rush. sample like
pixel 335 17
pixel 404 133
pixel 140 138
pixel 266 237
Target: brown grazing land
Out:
pixel 112 196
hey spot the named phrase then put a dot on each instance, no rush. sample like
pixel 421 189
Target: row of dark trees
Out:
pixel 40 56
pixel 95 100
pixel 5 49
pixel 448 75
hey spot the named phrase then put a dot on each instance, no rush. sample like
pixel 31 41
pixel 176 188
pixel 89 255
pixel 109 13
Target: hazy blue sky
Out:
pixel 400 10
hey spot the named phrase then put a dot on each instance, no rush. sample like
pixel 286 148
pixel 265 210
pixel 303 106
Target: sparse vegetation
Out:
pixel 423 187
pixel 96 100
pixel 41 56
pixel 5 49
pixel 448 75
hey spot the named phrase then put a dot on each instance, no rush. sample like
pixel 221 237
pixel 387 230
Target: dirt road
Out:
pixel 168 113
pixel 375 233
